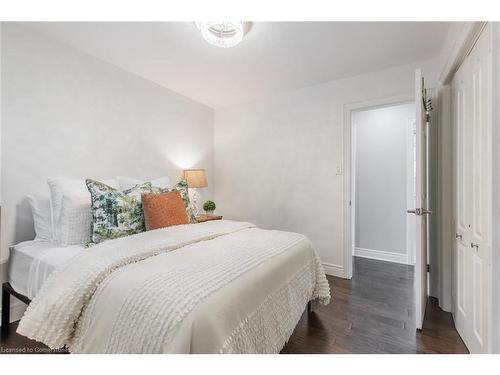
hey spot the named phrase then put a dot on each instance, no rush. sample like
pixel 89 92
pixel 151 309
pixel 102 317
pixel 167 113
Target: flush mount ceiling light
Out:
pixel 221 34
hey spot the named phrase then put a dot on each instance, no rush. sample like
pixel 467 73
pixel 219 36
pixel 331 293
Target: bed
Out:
pixel 31 263
pixel 214 287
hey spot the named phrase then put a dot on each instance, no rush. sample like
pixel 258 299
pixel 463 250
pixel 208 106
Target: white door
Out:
pixel 411 166
pixel 461 196
pixel 473 195
pixel 480 60
pixel 421 209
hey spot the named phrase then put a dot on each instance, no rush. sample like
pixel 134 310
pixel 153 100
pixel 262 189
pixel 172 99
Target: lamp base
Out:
pixel 194 198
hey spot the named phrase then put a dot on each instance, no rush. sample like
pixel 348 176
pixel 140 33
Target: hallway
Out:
pixel 374 313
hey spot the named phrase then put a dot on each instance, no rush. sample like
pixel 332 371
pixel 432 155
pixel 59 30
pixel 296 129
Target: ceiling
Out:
pixel 273 57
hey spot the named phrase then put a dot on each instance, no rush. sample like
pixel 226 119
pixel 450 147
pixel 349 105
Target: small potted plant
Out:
pixel 209 207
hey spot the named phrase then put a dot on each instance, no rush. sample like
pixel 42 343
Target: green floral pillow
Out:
pixel 118 213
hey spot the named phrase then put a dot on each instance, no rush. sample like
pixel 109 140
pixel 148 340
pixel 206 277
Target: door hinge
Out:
pixel 419 211
pixel 428 268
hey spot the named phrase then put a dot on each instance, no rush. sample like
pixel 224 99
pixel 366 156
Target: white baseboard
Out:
pixel 17 309
pixel 381 255
pixel 334 270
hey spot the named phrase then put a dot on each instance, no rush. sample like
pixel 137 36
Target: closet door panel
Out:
pixel 462 305
pixel 462 201
pixel 481 153
pixel 461 156
pixel 481 199
pixel 478 302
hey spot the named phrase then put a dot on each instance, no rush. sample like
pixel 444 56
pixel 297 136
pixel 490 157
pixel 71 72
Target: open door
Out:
pixel 421 210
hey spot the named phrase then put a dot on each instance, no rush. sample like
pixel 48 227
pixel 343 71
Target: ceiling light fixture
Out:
pixel 221 34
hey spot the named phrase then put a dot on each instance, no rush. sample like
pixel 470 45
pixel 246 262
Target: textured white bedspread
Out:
pixel 228 287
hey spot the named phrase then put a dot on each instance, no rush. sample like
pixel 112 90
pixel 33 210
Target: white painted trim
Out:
pixel 334 270
pixel 17 309
pixel 495 327
pixel 462 47
pixel 347 213
pixel 381 255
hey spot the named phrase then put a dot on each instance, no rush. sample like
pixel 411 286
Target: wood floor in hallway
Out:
pixel 374 313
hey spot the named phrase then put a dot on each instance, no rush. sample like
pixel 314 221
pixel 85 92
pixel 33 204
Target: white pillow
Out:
pixel 70 187
pixel 42 216
pixel 126 183
pixel 75 222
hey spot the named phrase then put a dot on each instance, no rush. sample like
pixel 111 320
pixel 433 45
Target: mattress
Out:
pixel 31 262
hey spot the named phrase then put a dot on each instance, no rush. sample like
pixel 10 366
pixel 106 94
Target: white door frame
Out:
pixel 348 199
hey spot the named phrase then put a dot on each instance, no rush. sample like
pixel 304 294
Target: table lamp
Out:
pixel 195 178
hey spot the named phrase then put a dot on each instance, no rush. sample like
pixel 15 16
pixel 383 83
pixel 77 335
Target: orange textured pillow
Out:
pixel 164 210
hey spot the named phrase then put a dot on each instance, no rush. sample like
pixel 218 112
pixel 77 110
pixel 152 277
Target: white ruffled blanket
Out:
pixel 228 287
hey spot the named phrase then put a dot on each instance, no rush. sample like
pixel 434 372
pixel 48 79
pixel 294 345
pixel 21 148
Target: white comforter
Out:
pixel 228 287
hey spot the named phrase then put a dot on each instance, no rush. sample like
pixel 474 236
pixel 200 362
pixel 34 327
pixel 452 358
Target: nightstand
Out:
pixel 203 218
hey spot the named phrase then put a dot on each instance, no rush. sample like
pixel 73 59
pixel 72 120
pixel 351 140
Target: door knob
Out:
pixel 474 245
pixel 411 211
pixel 425 211
pixel 458 235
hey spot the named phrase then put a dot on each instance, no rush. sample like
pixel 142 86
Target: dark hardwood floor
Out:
pixel 372 313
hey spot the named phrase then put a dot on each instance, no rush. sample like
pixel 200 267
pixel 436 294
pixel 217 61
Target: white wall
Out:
pixel 65 113
pixel 277 157
pixel 380 176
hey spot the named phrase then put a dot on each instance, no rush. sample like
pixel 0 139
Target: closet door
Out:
pixel 461 183
pixel 481 199
pixel 473 195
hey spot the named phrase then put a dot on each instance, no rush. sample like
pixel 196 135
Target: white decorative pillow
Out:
pixel 70 187
pixel 75 222
pixel 127 183
pixel 42 216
